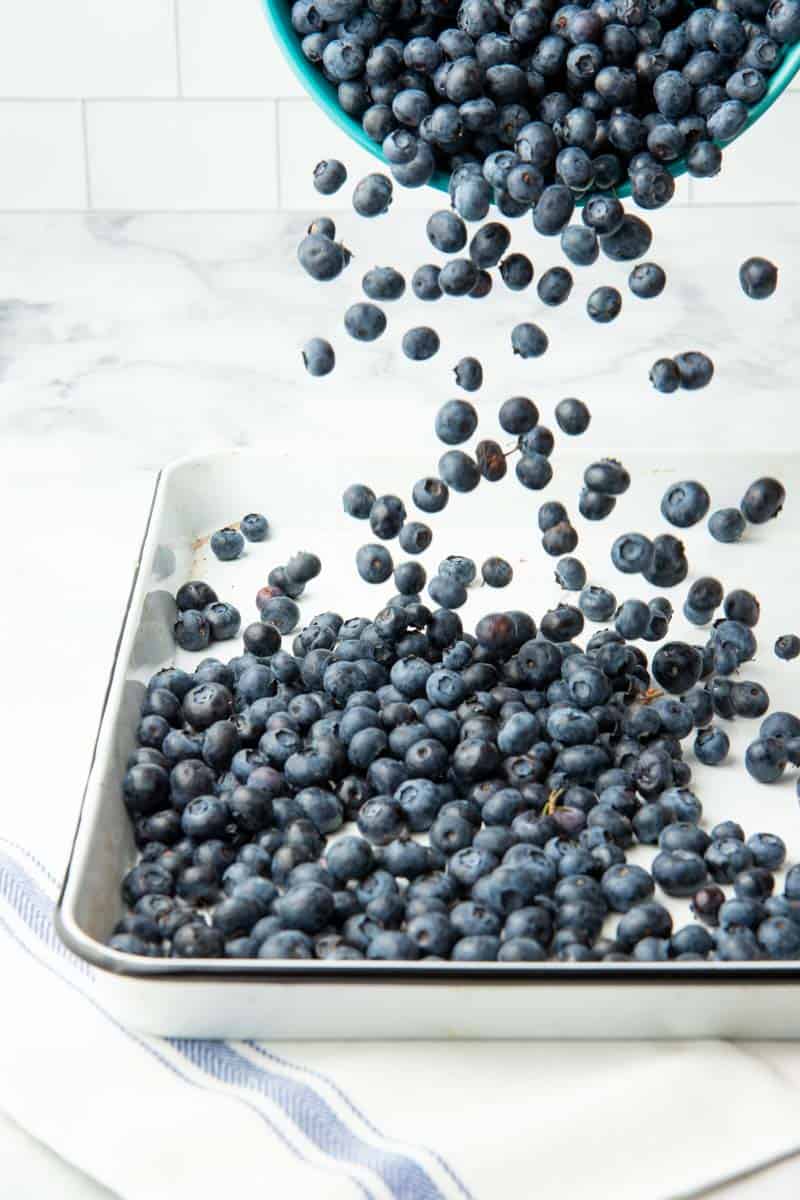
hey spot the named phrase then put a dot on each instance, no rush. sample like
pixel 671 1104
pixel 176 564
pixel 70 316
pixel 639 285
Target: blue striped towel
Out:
pixel 173 1118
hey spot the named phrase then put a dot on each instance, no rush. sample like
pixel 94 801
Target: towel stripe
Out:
pixel 306 1110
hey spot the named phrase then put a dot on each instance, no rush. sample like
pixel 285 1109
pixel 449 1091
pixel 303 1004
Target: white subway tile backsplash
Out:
pixel 762 167
pixel 307 135
pixel 85 48
pixel 41 149
pixel 227 49
pixel 183 155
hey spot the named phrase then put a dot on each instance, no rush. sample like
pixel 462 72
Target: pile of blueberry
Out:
pixel 495 781
pixel 532 104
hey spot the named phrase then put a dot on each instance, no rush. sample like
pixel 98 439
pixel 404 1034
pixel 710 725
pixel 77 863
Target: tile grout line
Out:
pixel 278 169
pixel 177 30
pixel 86 167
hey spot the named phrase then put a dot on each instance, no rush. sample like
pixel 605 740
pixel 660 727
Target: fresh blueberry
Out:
pixel 647 280
pixel 496 572
pixel 572 416
pixel 383 283
pixel 727 525
pixel 321 258
pixel 374 563
pixel 469 374
pixel 695 369
pixel 604 304
pixel 459 471
pixel 554 286
pixel 330 174
pixel 763 500
pixel 665 376
pixel 364 321
pixel 318 357
pixel 516 272
pixel 227 544
pixel 632 553
pixel 430 494
pixel 758 278
pixel 528 340
pixel 456 421
pixel 446 232
pixel 420 343
pixel 425 282
pixel 787 646
pixel 570 574
pixel 372 195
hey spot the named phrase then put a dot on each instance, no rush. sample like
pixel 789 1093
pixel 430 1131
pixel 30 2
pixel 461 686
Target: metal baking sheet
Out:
pixel 300 493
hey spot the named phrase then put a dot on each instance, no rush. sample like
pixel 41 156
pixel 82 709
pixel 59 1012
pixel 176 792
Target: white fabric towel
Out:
pixel 179 1119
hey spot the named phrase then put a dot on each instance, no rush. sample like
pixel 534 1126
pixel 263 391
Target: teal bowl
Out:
pixel 279 16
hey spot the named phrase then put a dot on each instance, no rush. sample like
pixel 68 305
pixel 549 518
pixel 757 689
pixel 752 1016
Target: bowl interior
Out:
pixel 325 94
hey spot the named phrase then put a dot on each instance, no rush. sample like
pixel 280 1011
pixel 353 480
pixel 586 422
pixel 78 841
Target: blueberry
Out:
pixel 768 850
pixel 456 421
pixel 282 612
pixel 496 572
pixel 374 563
pixel 528 340
pixel 787 647
pixel 628 242
pixel 559 539
pixel 446 232
pixel 383 283
pixel 414 537
pixel 647 280
pixel 449 593
pixel 458 277
pixel 608 477
pixel 763 500
pixel 227 544
pixel 420 343
pixel 570 574
pixel 539 440
pixel 330 174
pixel 668 566
pixel 597 604
pixel 553 210
pixel 684 504
pixel 365 322
pixel 551 513
pixel 482 286
pixel 665 376
pixel 518 415
pixel 554 286
pixel 579 244
pixel 632 553
pixel 409 578
pixel 430 494
pixel 604 304
pixel 533 471
pixel 516 272
pixel 459 471
pixel 625 886
pixel 321 258
pixel 357 501
pixel 726 525
pixel 195 595
pixel 318 356
pixel 457 567
pixel 372 195
pixel 192 630
pixel 489 244
pixel 758 278
pixel 472 198
pixel 632 619
pixel 695 369
pixel 572 416
pixel 425 282
pixel 765 759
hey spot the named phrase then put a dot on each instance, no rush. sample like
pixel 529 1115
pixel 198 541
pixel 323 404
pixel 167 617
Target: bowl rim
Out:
pixel 323 92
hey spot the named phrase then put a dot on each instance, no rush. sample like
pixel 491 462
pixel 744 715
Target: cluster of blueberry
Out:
pixel 762 502
pixel 605 226
pixel 532 104
pixel 530 766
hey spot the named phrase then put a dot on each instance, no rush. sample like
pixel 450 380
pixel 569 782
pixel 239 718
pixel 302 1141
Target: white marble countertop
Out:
pixel 127 342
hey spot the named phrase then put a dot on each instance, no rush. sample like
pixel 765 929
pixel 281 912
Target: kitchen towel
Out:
pixel 153 1118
